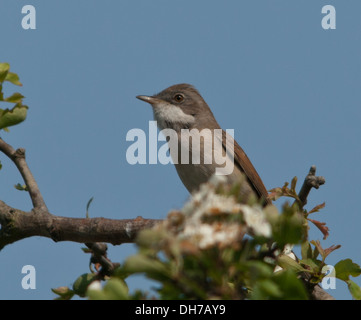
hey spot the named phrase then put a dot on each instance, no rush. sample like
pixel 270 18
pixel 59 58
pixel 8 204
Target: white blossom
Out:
pixel 256 220
pixel 201 229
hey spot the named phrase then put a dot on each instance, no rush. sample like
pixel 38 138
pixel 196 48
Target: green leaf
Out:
pixel 86 250
pixel 293 184
pixel 4 69
pixel 291 287
pixel 355 290
pixel 116 289
pixel 266 289
pixel 289 228
pixel 285 191
pixel 81 284
pixel 306 250
pixel 64 293
pixel 319 248
pixel 13 78
pixel 287 262
pixel 12 117
pixel 346 268
pixel 140 263
pixel 313 264
pixel 14 98
pixel 21 187
pixel 259 269
pixel 315 253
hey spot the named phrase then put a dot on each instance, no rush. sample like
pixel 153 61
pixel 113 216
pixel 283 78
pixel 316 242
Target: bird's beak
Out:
pixel 151 100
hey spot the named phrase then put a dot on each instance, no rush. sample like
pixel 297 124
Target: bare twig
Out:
pixel 311 181
pixel 18 157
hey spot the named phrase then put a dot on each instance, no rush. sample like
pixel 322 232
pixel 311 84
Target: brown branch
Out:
pixel 17 225
pixel 319 294
pixel 18 157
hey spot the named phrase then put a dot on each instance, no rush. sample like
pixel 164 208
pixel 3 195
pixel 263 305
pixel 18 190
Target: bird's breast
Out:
pixel 199 153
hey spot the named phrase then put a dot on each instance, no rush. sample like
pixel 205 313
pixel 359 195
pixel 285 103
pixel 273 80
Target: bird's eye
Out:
pixel 178 97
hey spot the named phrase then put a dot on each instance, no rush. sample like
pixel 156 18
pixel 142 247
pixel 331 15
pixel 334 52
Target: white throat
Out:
pixel 166 113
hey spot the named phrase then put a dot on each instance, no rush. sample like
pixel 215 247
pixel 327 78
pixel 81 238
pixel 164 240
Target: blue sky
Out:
pixel 289 89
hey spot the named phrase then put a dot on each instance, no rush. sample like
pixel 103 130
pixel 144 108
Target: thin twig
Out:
pixel 18 157
pixel 311 181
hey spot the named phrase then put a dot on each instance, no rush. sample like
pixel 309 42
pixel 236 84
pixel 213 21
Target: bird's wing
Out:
pixel 244 164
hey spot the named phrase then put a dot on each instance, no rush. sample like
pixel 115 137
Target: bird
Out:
pixel 180 108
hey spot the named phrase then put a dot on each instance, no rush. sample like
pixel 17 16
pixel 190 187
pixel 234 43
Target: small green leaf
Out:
pixel 4 69
pixel 346 268
pixel 21 187
pixel 315 253
pixel 287 262
pixel 86 250
pixel 285 191
pixel 14 98
pixel 13 78
pixel 64 293
pixel 313 264
pixel 293 184
pixel 355 290
pixel 14 116
pixel 81 284
pixel 275 193
pixel 319 248
pixel 306 250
